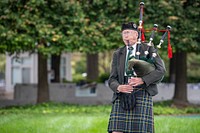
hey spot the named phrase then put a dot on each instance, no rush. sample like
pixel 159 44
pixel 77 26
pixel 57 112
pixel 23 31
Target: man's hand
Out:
pixel 134 81
pixel 125 88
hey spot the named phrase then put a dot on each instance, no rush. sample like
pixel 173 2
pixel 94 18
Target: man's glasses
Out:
pixel 128 33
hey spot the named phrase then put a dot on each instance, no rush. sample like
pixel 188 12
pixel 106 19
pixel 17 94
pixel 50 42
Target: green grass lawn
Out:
pixel 61 118
pixel 86 123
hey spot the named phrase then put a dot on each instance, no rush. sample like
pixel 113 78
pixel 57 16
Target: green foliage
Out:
pixel 193 69
pixel 160 108
pixel 2 63
pixel 104 19
pixel 103 77
pixel 193 79
pixel 190 79
pixel 53 26
pixel 182 16
pixel 80 67
pixel 45 26
pixel 51 107
pixel 78 78
pixel 90 26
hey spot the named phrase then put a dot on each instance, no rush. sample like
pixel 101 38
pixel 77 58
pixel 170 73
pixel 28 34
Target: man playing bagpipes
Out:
pixel 136 69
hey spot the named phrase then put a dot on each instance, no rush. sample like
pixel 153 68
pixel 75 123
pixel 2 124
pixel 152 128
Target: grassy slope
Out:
pixel 63 118
pixel 85 123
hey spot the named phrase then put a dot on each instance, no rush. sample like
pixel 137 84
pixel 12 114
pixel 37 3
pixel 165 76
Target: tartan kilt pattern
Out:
pixel 138 120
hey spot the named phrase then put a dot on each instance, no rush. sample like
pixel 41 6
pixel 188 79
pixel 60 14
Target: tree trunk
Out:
pixel 172 69
pixel 180 95
pixel 92 67
pixel 43 87
pixel 55 67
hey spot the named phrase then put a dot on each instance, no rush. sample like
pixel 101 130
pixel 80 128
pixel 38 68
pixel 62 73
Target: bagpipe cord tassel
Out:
pixel 169 46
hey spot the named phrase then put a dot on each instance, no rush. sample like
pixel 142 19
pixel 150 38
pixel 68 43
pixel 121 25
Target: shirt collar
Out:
pixel 134 46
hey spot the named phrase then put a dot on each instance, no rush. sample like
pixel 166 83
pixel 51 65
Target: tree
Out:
pixel 52 26
pixel 183 17
pixel 41 26
pixel 191 13
pixel 104 19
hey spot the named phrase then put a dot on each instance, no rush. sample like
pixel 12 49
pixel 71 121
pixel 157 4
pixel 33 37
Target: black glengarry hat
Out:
pixel 129 26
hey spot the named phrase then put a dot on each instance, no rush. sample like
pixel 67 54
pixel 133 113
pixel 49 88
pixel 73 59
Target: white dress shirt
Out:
pixel 133 54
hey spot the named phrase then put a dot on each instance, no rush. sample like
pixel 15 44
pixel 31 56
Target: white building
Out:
pixel 24 69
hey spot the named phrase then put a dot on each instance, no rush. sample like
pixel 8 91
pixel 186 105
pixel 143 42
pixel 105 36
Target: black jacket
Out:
pixel 118 67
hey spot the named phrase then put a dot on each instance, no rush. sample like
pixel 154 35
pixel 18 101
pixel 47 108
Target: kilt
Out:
pixel 138 120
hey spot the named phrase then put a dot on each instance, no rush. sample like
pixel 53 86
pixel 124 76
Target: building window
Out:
pixel 16 74
pixel 63 68
pixel 92 90
pixel 16 61
pixel 26 75
pixel 26 61
pixel 21 70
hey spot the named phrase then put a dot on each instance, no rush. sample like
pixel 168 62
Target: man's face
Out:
pixel 129 36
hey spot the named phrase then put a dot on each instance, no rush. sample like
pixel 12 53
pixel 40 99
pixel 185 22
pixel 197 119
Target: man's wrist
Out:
pixel 118 90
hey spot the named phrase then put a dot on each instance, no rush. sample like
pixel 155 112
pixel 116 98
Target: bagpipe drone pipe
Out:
pixel 145 63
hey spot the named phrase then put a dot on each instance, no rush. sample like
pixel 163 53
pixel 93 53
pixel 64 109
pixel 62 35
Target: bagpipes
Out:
pixel 144 65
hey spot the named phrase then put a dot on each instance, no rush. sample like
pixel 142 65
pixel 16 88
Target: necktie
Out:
pixel 129 72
